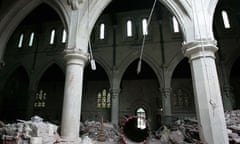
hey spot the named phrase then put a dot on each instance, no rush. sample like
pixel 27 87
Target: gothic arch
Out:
pixel 105 67
pixel 172 66
pixel 19 11
pixel 42 69
pixel 14 67
pixel 134 56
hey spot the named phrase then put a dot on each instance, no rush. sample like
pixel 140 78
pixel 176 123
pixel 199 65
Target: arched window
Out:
pixel 31 39
pixel 20 41
pixel 141 120
pixel 52 37
pixel 40 100
pixel 102 31
pixel 226 21
pixel 104 99
pixel 129 28
pixel 64 36
pixel 144 27
pixel 175 25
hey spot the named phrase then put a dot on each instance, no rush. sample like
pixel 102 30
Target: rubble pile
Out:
pixel 186 131
pixel 233 125
pixel 181 132
pixel 34 131
pixel 92 130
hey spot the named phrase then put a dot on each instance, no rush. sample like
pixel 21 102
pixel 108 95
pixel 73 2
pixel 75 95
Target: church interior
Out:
pixel 144 65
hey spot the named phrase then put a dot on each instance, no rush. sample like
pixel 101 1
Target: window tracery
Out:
pixel 40 99
pixel 104 99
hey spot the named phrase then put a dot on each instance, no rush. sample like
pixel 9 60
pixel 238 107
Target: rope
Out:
pixel 92 61
pixel 144 39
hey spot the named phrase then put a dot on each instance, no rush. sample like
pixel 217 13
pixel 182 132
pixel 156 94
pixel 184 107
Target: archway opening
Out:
pixel 96 100
pixel 182 97
pixel 235 83
pixel 140 90
pixel 49 96
pixel 15 96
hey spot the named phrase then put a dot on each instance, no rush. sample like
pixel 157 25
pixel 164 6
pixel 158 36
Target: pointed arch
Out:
pixel 49 95
pixel 19 11
pixel 44 67
pixel 182 88
pixel 146 58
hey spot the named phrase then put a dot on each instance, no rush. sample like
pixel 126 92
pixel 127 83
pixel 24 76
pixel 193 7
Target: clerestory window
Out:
pixel 64 36
pixel 226 21
pixel 175 25
pixel 102 31
pixel 52 37
pixel 20 41
pixel 129 28
pixel 30 44
pixel 144 26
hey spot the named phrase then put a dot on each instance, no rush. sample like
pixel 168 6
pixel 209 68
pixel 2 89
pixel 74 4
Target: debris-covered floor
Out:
pixel 37 131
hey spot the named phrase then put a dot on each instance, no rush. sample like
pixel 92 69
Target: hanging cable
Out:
pixel 144 39
pixel 92 61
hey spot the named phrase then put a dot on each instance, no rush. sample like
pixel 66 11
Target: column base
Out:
pixel 69 141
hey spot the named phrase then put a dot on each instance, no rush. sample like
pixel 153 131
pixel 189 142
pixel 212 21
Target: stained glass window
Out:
pixel 103 99
pixel 40 99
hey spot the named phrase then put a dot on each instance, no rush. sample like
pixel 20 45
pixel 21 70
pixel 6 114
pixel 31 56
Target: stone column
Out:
pixel 115 106
pixel 166 101
pixel 75 62
pixel 207 93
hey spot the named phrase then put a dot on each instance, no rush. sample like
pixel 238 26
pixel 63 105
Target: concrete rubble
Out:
pixel 184 131
pixel 34 131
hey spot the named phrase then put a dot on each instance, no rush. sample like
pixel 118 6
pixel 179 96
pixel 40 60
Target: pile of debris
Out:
pixel 34 131
pixel 181 132
pixel 98 131
pixel 186 131
pixel 233 125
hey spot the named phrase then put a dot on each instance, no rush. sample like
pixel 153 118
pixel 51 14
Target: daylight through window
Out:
pixel 52 37
pixel 64 36
pixel 141 120
pixel 175 25
pixel 226 20
pixel 129 28
pixel 102 31
pixel 144 27
pixel 20 42
pixel 31 39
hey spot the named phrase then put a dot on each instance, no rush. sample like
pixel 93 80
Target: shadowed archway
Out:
pixel 15 96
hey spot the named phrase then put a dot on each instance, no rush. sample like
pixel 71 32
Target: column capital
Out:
pixel 166 92
pixel 115 90
pixel 200 48
pixel 75 56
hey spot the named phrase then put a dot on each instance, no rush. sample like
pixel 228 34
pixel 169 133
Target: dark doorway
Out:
pixel 15 96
